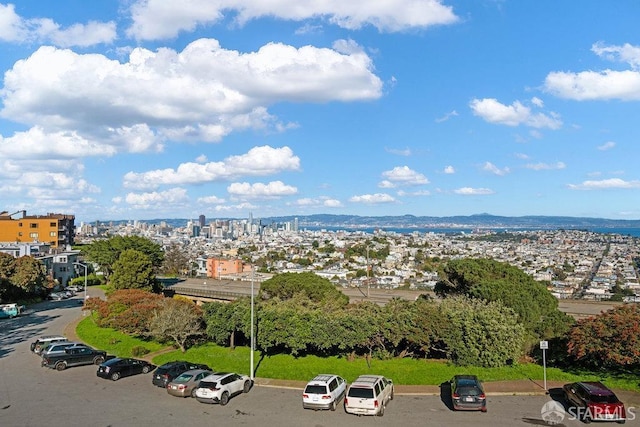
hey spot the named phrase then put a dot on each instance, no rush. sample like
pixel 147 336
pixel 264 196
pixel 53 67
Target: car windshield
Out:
pixel 315 389
pixel 366 393
pixel 183 378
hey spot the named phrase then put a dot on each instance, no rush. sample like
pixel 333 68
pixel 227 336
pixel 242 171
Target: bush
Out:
pixel 139 350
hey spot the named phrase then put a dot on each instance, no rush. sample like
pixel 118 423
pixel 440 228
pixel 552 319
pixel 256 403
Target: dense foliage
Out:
pixel 133 270
pixel 492 280
pixel 106 253
pixel 609 340
pixel 21 278
pixel 286 285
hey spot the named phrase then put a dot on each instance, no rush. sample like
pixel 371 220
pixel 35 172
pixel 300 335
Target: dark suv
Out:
pixel 467 393
pixel 164 374
pixel 593 401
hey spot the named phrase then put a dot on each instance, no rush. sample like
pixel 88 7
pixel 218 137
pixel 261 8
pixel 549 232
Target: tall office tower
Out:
pixel 202 220
pixel 295 224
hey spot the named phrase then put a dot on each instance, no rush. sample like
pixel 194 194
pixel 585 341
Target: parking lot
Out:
pixel 34 396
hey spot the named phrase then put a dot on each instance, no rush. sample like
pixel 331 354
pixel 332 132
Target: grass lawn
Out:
pixel 402 371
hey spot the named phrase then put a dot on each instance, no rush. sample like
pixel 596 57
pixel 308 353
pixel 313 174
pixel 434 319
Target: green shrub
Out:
pixel 139 350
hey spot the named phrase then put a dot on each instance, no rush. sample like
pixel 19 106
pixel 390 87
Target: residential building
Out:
pixel 58 230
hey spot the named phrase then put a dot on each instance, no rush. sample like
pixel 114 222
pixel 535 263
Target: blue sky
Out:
pixel 144 109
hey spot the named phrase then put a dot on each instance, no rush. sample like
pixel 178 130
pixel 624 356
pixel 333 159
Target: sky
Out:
pixel 146 109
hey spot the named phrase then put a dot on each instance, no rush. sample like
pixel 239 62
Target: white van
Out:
pixel 368 395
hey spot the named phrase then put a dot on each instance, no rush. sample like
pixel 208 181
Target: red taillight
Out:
pixel 305 396
pixel 165 376
pixel 326 397
pixel 375 405
pixel 456 395
pixel 346 400
pixel 182 387
pixel 482 396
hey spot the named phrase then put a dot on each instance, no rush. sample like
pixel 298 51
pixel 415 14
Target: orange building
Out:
pixel 218 267
pixel 58 230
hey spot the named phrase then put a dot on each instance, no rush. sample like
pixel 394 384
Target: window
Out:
pixel 19 224
pixel 33 225
pixel 33 235
pixel 52 234
pixel 53 224
pixel 19 233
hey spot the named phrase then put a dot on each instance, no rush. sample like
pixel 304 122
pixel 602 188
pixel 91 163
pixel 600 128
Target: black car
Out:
pixel 117 368
pixel 164 374
pixel 467 393
pixel 74 357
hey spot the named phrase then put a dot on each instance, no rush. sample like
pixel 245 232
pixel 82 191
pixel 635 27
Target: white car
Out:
pixel 368 395
pixel 324 391
pixel 221 386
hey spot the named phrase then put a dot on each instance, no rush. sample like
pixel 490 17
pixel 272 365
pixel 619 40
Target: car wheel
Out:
pixel 193 392
pixel 381 412
pixel 61 366
pixel 247 386
pixel 224 399
pixel 391 396
pixel 115 376
pixel 146 369
pixel 333 405
pixel 98 360
pixel 587 419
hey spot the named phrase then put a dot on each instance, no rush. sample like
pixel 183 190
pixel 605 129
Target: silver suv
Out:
pixel 59 347
pixel 369 395
pixel 324 392
pixel 44 341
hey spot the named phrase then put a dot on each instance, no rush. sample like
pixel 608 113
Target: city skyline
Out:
pixel 145 109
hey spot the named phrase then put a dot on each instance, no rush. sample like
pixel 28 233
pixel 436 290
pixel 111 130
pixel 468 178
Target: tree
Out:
pixel 29 275
pixel 107 252
pixel 481 333
pixel 176 262
pixel 492 280
pixel 609 340
pixel 7 269
pixel 225 320
pixel 284 286
pixel 177 320
pixel 126 310
pixel 133 270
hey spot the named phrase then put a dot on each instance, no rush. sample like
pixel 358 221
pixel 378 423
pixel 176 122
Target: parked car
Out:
pixel 45 340
pixel 57 296
pixel 220 387
pixel 10 310
pixel 117 368
pixel 185 384
pixel 467 393
pixel 166 373
pixel 324 391
pixel 369 395
pixel 594 401
pixel 59 347
pixel 74 357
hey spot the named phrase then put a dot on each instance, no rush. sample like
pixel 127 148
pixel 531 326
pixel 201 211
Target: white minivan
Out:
pixel 368 395
pixel 324 391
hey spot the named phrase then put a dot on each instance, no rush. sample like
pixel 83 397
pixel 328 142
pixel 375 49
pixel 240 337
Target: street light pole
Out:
pixel 85 278
pixel 252 338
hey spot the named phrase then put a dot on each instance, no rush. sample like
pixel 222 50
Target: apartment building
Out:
pixel 58 230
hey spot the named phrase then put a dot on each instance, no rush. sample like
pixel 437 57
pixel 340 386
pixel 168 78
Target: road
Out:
pixel 34 396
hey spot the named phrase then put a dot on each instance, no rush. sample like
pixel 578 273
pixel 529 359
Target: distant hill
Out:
pixel 483 220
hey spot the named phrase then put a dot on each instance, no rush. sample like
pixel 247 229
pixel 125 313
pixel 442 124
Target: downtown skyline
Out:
pixel 147 109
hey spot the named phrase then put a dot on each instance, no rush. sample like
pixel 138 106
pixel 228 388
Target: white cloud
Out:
pixel 402 175
pixel 259 190
pixel 157 19
pixel 515 114
pixel 207 91
pixel 612 183
pixel 449 169
pixel 607 146
pixel 166 198
pixel 491 168
pixel 447 116
pixel 593 85
pixel 211 200
pixel 259 161
pixel 403 152
pixel 546 166
pixel 372 199
pixel 626 53
pixel 402 193
pixel 16 29
pixel 469 191
pixel 323 201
